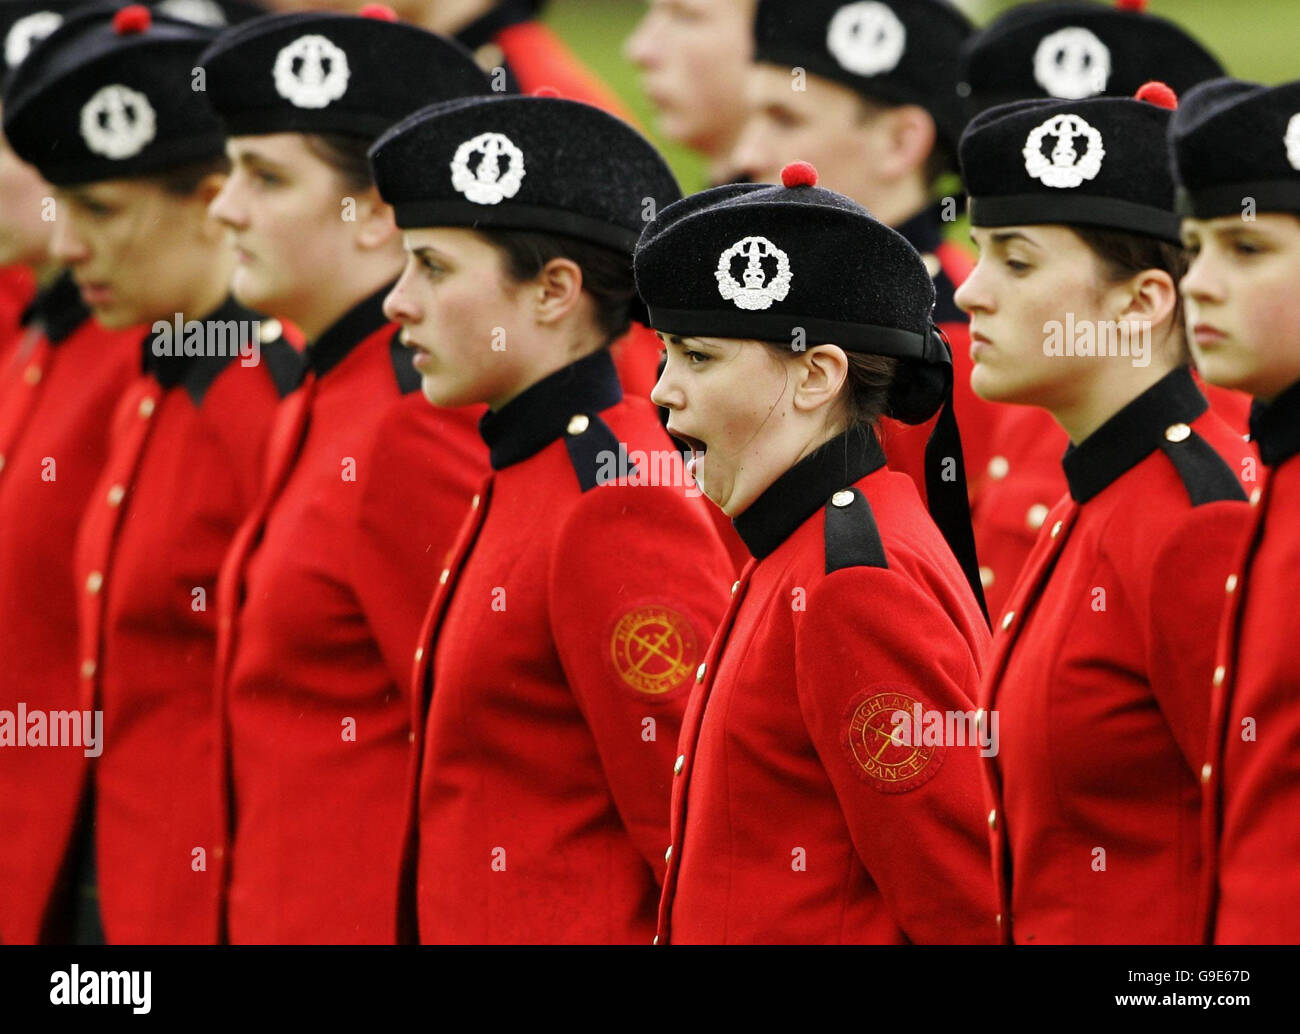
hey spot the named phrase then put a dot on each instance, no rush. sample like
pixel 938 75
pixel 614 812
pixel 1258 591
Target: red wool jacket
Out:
pixel 54 422
pixel 795 819
pixel 558 651
pixel 1251 820
pixel 319 602
pixel 183 471
pixel 1100 680
pixel 536 57
pixel 1019 479
pixel 17 287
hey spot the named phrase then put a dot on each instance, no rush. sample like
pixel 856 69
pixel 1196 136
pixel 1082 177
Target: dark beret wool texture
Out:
pixel 23 23
pixel 1100 162
pixel 523 163
pixel 109 95
pixel 860 45
pixel 1231 140
pixel 332 73
pixel 1036 46
pixel 847 270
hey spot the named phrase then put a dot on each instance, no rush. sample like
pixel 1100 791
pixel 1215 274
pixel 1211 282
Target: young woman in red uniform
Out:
pixel 1102 656
pixel 1231 141
pixel 555 658
pixel 134 168
pixel 322 592
pixel 802 810
pixel 1067 50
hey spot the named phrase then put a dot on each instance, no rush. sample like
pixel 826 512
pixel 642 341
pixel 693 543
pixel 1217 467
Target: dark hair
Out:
pixel 867 385
pixel 346 155
pixel 606 273
pixel 184 180
pixel 1125 254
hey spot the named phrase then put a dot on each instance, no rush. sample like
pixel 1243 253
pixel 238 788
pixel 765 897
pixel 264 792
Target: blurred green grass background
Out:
pixel 1255 39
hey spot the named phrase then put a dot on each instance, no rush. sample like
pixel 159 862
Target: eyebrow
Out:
pixel 253 158
pixel 1006 236
pixel 428 251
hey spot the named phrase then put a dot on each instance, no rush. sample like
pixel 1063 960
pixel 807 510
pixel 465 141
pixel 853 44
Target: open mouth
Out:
pixel 696 446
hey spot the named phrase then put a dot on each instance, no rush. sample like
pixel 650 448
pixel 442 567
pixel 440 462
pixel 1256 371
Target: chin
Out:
pixel 115 317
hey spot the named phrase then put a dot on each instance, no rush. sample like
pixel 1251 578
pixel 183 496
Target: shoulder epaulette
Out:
pixel 593 447
pixel 852 538
pixel 1205 474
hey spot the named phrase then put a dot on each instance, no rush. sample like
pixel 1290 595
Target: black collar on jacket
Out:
pixel 176 368
pixel 805 488
pixel 528 423
pixel 58 309
pixel 1275 426
pixel 348 331
pixel 1132 434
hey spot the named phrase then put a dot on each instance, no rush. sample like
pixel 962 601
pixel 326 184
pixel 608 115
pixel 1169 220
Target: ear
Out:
pixel 376 223
pixel 823 369
pixel 558 290
pixel 1148 297
pixel 911 135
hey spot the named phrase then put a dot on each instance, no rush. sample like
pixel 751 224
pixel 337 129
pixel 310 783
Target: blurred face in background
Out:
pixel 693 56
pixel 1242 307
pixel 26 212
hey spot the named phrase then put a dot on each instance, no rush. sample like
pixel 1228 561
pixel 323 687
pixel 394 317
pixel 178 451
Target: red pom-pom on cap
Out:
pixel 133 19
pixel 545 91
pixel 799 174
pixel 1157 93
pixel 379 12
pixel 1131 5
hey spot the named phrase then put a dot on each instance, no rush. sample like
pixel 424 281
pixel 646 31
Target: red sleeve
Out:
pixel 423 467
pixel 638 584
pixel 869 646
pixel 1186 598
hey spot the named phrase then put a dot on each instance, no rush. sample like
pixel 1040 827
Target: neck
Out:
pixel 895 203
pixel 322 311
pixel 207 295
pixel 1106 395
pixel 553 358
pixel 449 17
pixel 47 272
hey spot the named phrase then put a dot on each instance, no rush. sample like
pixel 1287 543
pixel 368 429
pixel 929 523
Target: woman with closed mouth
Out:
pixel 1102 657
pixel 322 593
pixel 557 655
pixel 809 804
pixel 1233 140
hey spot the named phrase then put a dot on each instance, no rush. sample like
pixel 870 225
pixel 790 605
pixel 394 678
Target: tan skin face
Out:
pixel 873 154
pixel 477 335
pixel 297 256
pixel 140 254
pixel 693 56
pixel 1027 276
pixel 24 230
pixel 1242 306
pixel 748 413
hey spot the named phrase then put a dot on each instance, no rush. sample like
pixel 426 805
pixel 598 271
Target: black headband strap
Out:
pixel 1088 210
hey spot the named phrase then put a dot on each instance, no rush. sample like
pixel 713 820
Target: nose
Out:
pixel 399 306
pixel 639 47
pixel 972 296
pixel 750 154
pixel 666 392
pixel 1199 282
pixel 66 247
pixel 227 207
